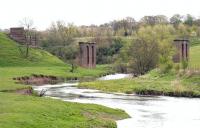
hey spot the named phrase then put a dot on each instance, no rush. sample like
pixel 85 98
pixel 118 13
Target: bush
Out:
pixel 121 67
pixel 184 64
pixel 165 65
pixel 177 67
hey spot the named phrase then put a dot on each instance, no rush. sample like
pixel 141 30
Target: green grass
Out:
pixel 195 57
pixel 151 84
pixel 155 83
pixel 18 111
pixel 8 73
pixel 14 64
pixel 11 55
pixel 194 41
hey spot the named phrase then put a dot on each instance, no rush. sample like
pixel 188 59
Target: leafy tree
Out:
pixel 105 53
pixel 189 20
pixel 123 58
pixel 153 20
pixel 124 27
pixel 176 20
pixel 151 47
pixel 161 19
pixel 150 31
pixel 148 20
pixel 183 31
pixel 144 51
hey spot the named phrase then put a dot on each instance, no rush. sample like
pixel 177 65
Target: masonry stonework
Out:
pixel 87 56
pixel 18 34
pixel 182 50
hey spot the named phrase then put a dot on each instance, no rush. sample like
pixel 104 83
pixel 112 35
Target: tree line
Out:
pixel 136 46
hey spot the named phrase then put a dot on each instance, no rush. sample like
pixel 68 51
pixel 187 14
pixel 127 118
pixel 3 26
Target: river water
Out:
pixel 145 111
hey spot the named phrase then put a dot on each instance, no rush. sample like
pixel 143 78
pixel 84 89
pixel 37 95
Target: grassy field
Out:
pixel 20 111
pixel 195 56
pixel 151 84
pixel 8 73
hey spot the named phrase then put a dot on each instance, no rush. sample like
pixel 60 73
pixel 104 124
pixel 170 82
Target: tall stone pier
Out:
pixel 87 55
pixel 181 51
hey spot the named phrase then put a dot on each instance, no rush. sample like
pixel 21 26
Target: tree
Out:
pixel 165 36
pixel 183 31
pixel 124 27
pixel 60 42
pixel 69 54
pixel 123 58
pixel 144 56
pixel 29 31
pixel 144 51
pixel 148 20
pixel 197 22
pixel 129 25
pixel 161 19
pixel 176 20
pixel 153 20
pixel 189 20
pixel 151 47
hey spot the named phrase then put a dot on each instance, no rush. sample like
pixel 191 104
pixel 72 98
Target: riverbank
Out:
pixel 22 111
pixel 8 73
pixel 153 83
pixel 13 64
pixel 29 110
pixel 144 111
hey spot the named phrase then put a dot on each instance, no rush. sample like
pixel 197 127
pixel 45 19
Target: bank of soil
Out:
pixel 38 79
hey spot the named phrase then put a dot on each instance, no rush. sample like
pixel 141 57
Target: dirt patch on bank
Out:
pixel 38 79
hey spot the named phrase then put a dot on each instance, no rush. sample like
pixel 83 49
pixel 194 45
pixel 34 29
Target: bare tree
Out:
pixel 28 26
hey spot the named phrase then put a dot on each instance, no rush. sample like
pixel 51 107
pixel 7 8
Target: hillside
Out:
pixel 11 55
pixel 14 64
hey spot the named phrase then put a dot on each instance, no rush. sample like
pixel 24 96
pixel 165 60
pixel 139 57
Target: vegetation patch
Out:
pixel 39 62
pixel 19 111
pixel 152 84
pixel 22 111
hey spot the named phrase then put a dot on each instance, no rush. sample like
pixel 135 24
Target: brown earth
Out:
pixel 38 80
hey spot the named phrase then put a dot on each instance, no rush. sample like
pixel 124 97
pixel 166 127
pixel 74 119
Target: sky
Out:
pixel 86 12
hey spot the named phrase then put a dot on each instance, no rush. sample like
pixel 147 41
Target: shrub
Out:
pixel 177 67
pixel 184 64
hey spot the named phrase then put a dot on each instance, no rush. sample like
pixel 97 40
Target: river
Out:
pixel 145 111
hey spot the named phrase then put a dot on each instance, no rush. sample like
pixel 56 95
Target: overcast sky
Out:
pixel 85 12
